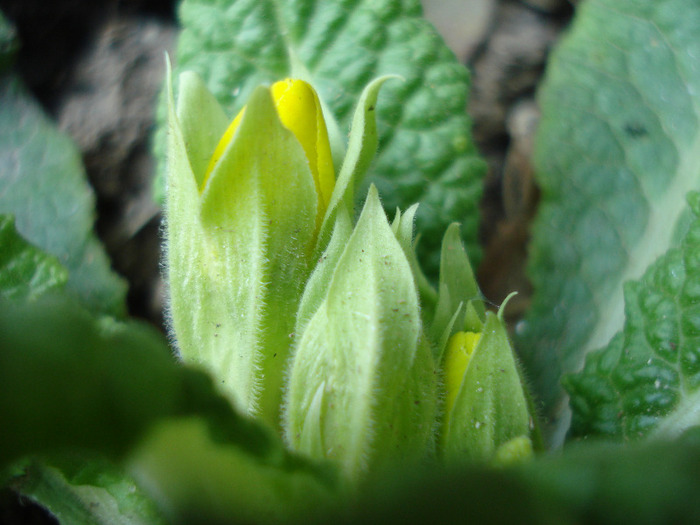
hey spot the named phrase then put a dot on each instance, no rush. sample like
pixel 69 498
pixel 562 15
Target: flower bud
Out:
pixel 362 389
pixel 486 405
pixel 243 209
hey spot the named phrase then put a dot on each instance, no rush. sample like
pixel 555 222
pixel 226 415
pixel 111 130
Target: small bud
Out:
pixel 486 405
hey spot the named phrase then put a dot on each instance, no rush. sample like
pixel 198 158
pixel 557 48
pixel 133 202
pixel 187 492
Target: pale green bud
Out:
pixel 244 207
pixel 486 405
pixel 362 387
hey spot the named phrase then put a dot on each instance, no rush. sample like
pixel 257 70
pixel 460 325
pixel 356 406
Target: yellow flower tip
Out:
pixel 299 109
pixel 459 352
pixel 226 138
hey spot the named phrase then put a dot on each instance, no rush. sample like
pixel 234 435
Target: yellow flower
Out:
pixel 459 352
pixel 299 110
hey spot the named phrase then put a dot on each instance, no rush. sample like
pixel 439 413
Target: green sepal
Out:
pixel 491 407
pixel 202 121
pixel 517 450
pixel 316 288
pixel 238 255
pixel 403 226
pixel 457 285
pixel 362 146
pixel 362 386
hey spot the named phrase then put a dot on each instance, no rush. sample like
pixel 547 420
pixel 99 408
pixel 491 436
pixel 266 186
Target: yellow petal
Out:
pixel 459 352
pixel 300 111
pixel 226 138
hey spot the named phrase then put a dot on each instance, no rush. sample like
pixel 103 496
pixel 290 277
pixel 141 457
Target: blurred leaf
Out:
pixel 96 492
pixel 595 483
pixel 425 153
pixel 618 149
pixel 647 380
pixel 25 271
pixel 44 187
pixel 72 384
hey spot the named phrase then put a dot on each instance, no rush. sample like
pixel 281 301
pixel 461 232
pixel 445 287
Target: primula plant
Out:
pixel 331 357
pixel 313 325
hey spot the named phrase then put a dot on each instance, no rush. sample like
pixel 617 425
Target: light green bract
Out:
pixel 325 330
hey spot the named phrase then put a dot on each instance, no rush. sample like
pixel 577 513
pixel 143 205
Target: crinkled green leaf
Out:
pixel 647 380
pixel 426 152
pixel 93 492
pixel 43 185
pixel 618 149
pixel 25 271
pixel 72 384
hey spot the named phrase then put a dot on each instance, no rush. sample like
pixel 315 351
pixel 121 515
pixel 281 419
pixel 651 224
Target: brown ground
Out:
pixel 97 66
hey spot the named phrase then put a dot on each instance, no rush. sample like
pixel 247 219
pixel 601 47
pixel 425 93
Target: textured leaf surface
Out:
pixel 42 183
pixel 25 271
pixel 618 150
pixel 647 381
pixel 425 149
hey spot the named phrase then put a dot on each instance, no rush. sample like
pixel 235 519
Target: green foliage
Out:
pixel 425 153
pixel 87 492
pixel 645 382
pixel 71 384
pixel 595 483
pixel 25 271
pixel 618 149
pixel 44 187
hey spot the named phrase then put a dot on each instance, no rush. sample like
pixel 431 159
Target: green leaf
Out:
pixel 646 382
pixel 618 149
pixel 201 480
pixel 72 384
pixel 92 492
pixel 426 152
pixel 25 271
pixel 44 187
